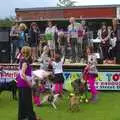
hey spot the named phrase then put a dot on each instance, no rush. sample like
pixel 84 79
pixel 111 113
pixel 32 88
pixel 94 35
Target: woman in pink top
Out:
pixel 24 83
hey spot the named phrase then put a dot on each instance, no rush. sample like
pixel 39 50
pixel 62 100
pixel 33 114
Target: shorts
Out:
pixel 21 43
pixel 51 44
pixel 59 78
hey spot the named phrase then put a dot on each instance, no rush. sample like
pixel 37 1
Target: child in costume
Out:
pixel 92 72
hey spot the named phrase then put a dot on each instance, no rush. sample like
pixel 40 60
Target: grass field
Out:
pixel 107 108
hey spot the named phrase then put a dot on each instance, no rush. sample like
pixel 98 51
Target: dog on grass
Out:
pixel 74 102
pixel 9 86
pixel 80 89
pixel 51 99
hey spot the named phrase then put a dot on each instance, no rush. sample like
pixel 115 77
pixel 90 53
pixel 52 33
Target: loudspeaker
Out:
pixel 5 52
pixel 4 35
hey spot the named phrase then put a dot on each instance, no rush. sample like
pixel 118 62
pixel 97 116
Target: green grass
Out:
pixel 107 108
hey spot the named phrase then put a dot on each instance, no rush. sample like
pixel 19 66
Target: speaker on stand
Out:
pixel 4 46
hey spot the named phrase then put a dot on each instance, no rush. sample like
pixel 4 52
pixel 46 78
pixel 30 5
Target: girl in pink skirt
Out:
pixel 36 93
pixel 57 66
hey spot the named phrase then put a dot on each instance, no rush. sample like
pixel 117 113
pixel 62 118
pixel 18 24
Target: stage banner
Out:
pixel 104 81
pixel 8 73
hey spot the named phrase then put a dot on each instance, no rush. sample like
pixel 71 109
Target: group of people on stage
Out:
pixel 108 43
pixel 72 44
pixel 19 35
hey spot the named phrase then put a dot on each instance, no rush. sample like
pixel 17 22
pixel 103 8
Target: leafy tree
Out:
pixel 66 3
pixel 6 22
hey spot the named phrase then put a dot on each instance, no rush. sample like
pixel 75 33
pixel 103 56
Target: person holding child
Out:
pixel 24 84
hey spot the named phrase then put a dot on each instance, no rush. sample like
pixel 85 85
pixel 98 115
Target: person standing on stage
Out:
pixel 81 33
pixel 14 33
pixel 24 83
pixel 73 37
pixel 62 41
pixel 50 32
pixel 105 37
pixel 21 40
pixel 117 47
pixel 113 40
pixel 85 37
pixel 34 36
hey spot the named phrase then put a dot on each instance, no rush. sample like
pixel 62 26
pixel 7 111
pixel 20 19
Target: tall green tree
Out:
pixel 66 3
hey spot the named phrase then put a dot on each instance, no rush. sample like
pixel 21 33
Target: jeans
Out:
pixel 80 48
pixel 21 43
pixel 74 48
pixel 85 45
pixel 14 46
pixel 105 51
pixel 63 50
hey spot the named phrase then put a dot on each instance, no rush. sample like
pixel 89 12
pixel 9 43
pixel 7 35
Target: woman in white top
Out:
pixel 49 36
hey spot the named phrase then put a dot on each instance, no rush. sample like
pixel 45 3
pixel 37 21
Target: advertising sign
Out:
pixel 8 73
pixel 104 81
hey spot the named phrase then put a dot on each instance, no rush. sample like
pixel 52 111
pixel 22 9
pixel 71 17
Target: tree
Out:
pixel 66 3
pixel 6 22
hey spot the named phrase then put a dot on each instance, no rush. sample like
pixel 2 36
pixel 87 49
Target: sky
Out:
pixel 7 7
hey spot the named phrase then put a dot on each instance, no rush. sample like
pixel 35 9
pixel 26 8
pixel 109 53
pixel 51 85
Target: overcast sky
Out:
pixel 7 7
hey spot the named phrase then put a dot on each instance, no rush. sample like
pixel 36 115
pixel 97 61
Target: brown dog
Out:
pixel 74 102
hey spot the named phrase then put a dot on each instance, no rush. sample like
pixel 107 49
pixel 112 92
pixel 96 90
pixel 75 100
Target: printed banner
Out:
pixel 8 73
pixel 104 81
